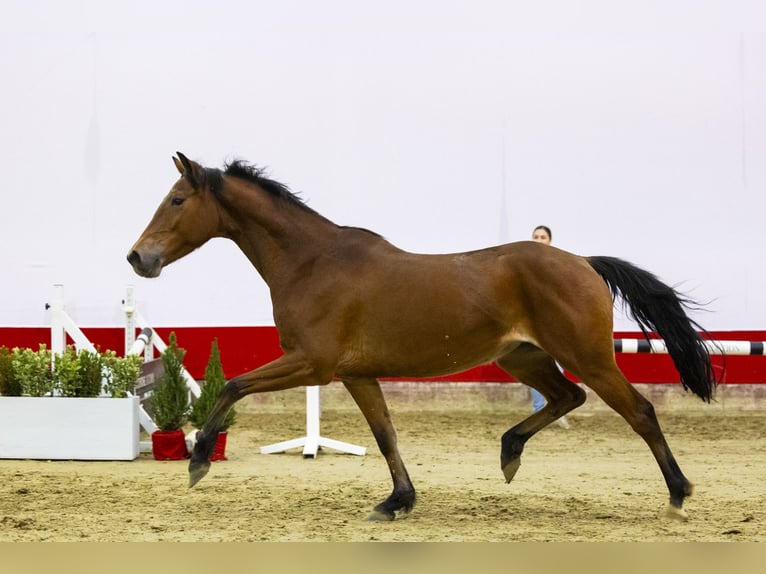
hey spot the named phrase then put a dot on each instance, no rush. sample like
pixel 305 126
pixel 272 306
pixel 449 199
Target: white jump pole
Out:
pixel 313 439
pixel 62 324
pixel 129 308
pixel 134 319
pixel 716 347
pixel 194 388
pixel 138 347
pixel 142 342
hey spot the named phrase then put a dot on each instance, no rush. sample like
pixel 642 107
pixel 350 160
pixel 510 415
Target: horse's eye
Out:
pixel 177 200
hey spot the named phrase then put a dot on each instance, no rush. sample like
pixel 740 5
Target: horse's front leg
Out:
pixel 369 399
pixel 286 372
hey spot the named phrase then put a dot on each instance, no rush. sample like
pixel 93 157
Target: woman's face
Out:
pixel 541 236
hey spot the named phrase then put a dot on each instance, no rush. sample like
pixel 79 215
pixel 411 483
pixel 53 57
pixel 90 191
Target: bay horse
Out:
pixel 350 305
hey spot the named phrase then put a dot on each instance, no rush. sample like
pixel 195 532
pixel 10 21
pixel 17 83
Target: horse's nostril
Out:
pixel 133 257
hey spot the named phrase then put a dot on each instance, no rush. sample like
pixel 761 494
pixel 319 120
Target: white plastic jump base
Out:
pixel 313 441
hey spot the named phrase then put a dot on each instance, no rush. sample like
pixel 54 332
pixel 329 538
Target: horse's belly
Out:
pixel 426 358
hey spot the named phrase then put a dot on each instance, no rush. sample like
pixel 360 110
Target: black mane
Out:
pixel 243 170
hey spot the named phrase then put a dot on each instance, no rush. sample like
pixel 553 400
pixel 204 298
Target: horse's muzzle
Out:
pixel 144 266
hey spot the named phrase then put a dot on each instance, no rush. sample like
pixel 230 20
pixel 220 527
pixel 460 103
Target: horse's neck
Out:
pixel 275 235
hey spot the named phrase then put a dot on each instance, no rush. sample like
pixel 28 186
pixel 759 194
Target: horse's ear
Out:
pixel 179 165
pixel 191 170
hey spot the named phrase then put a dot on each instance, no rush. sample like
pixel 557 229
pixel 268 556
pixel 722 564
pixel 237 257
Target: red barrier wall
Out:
pixel 245 348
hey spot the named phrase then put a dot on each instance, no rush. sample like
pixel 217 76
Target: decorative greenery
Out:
pixel 122 373
pixel 73 374
pixel 91 373
pixel 66 372
pixel 170 396
pixel 78 373
pixel 10 386
pixel 33 371
pixel 215 380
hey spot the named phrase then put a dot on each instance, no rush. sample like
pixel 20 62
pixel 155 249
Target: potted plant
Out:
pixel 32 369
pixel 169 406
pixel 215 380
pixel 51 408
pixel 9 382
pixel 78 373
pixel 122 373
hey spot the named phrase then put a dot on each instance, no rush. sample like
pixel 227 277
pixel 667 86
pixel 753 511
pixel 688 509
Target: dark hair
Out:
pixel 256 175
pixel 544 228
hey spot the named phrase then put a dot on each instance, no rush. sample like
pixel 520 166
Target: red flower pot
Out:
pixel 169 445
pixel 219 453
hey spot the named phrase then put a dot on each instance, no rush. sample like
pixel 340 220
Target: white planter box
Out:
pixel 58 428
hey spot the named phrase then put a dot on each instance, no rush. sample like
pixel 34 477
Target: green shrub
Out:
pixel 9 383
pixel 91 373
pixel 66 372
pixel 33 371
pixel 74 373
pixel 170 396
pixel 215 380
pixel 122 373
pixel 78 373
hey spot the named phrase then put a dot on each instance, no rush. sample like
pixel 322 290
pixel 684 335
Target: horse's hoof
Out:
pixel 197 471
pixel 381 516
pixel 509 470
pixel 675 513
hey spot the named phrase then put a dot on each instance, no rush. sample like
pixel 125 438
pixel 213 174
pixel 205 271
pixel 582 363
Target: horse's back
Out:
pixel 460 309
pixel 510 278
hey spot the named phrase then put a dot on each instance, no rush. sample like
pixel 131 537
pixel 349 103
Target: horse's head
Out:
pixel 186 218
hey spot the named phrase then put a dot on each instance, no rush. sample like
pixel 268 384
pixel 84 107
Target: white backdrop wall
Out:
pixel 634 129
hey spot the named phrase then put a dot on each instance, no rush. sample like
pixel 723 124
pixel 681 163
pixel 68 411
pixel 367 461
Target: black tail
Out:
pixel 660 308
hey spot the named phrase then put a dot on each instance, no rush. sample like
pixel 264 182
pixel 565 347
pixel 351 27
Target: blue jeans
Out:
pixel 538 401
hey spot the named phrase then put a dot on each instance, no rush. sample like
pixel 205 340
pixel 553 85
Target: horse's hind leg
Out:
pixel 369 399
pixel 612 386
pixel 537 369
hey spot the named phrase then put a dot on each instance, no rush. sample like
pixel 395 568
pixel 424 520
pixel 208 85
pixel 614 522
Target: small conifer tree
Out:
pixel 170 397
pixel 215 380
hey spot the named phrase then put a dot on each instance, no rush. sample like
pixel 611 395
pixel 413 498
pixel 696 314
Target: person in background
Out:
pixel 542 234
